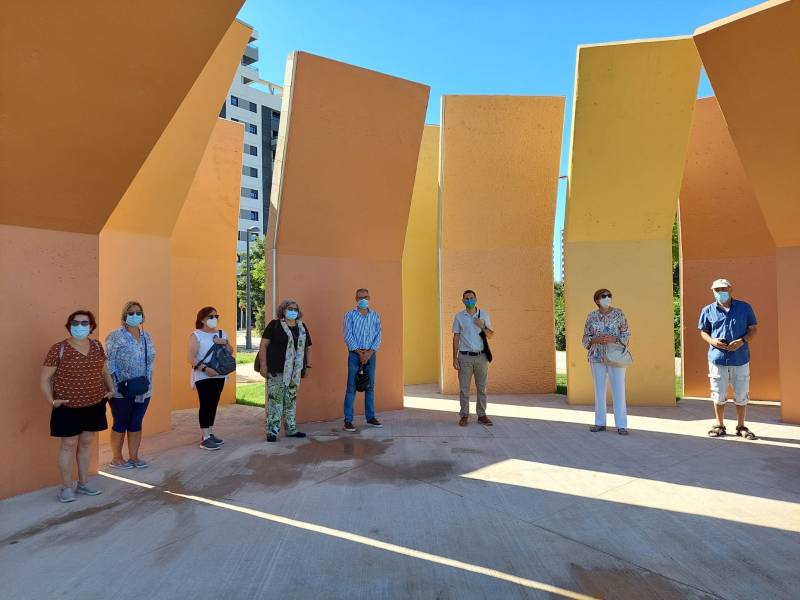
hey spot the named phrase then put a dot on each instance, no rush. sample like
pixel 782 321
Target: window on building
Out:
pixel 252 128
pixel 250 215
pixel 234 101
pixel 274 134
pixel 253 107
pixel 276 114
pixel 251 150
pixel 251 171
pixel 254 194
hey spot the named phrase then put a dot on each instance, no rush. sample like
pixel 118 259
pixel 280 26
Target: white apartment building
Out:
pixel 259 110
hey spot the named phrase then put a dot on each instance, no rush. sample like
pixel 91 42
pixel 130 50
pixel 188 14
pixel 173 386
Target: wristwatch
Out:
pixel 204 368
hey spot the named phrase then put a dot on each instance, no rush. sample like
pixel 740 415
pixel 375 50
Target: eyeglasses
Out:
pixel 212 317
pixel 76 323
pixel 605 295
pixel 135 313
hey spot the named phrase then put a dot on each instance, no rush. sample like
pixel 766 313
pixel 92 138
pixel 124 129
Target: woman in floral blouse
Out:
pixel 604 326
pixel 130 361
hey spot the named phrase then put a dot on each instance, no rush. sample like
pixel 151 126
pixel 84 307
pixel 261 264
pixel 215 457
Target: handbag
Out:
pixel 136 386
pixel 618 355
pixel 486 350
pixel 219 359
pixel 362 379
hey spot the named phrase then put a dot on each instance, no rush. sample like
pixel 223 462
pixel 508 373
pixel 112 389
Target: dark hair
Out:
pixel 281 312
pixel 359 290
pixel 88 313
pixel 202 314
pixel 469 292
pixel 600 291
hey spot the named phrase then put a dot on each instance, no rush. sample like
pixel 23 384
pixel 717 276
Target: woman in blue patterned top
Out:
pixel 606 325
pixel 130 361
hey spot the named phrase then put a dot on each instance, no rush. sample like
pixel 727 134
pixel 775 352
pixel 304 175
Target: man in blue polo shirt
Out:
pixel 728 326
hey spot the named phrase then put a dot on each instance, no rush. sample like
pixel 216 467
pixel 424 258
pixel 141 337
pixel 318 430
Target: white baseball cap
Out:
pixel 718 283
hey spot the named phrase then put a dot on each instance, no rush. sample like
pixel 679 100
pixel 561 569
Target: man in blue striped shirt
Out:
pixel 362 336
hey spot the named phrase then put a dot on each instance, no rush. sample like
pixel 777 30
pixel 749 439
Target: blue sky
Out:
pixel 470 47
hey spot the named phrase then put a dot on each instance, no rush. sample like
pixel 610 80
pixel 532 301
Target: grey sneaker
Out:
pixel 218 441
pixel 209 444
pixel 122 466
pixel 139 464
pixel 66 494
pixel 86 490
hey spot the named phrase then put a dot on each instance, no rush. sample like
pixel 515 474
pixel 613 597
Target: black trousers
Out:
pixel 209 391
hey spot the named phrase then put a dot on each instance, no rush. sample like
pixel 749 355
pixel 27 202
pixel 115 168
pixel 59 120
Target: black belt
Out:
pixel 471 353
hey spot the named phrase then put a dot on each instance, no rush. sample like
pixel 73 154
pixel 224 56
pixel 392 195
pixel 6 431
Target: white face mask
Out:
pixel 211 323
pixel 605 302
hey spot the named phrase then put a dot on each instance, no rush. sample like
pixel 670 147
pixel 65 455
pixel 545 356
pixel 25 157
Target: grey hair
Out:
pixel 281 312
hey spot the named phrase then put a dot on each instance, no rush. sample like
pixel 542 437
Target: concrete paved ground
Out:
pixel 534 507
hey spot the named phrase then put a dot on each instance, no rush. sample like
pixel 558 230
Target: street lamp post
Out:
pixel 248 340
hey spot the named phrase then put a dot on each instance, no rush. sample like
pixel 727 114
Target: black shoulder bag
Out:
pixel 130 388
pixel 219 358
pixel 486 349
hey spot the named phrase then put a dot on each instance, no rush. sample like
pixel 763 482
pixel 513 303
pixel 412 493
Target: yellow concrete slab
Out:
pixel 421 268
pixel 632 114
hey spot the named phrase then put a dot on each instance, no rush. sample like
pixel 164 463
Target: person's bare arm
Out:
pixel 456 340
pixel 747 337
pixel 109 383
pixel 713 341
pixel 194 344
pixel 46 383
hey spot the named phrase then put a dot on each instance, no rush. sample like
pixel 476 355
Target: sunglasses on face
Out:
pixel 605 295
pixel 76 323
pixel 136 313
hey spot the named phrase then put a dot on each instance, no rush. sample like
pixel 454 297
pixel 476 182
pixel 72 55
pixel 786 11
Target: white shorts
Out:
pixel 721 376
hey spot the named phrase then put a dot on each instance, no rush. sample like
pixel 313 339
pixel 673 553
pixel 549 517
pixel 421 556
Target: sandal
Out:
pixel 622 431
pixel 744 432
pixel 717 431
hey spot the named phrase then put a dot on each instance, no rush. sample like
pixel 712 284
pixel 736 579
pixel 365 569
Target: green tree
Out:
pixel 676 286
pixel 256 282
pixel 560 321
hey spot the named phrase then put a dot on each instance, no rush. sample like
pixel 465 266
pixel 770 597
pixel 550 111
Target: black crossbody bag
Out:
pixel 486 350
pixel 130 388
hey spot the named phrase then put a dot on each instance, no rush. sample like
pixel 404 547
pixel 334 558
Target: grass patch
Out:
pixel 250 394
pixel 243 357
pixel 561 385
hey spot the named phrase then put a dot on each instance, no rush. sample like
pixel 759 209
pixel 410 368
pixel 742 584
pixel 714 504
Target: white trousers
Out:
pixel 617 377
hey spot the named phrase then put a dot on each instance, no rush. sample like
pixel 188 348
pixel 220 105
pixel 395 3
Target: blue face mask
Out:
pixel 363 303
pixel 470 302
pixel 722 297
pixel 292 314
pixel 134 320
pixel 79 332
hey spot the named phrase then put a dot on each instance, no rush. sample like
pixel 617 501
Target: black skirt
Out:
pixel 68 422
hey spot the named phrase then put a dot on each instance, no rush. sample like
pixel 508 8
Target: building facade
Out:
pixel 259 110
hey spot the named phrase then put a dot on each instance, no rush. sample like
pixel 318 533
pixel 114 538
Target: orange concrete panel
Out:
pixel 497 214
pixel 345 169
pixel 752 59
pixel 134 244
pixel 421 268
pixel 203 265
pixel 717 205
pixel 759 93
pixel 632 115
pixel 84 100
pixel 45 275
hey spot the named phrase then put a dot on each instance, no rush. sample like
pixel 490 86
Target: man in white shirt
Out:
pixel 470 355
